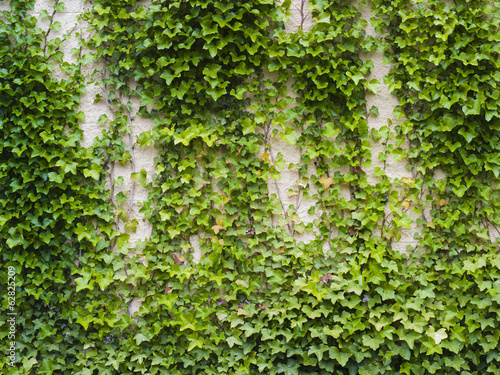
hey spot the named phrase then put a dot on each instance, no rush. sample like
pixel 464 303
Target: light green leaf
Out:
pixel 289 136
pixel 438 335
pixel 373 85
pixel 140 177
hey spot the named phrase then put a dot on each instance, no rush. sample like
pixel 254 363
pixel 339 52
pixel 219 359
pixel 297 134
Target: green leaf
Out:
pixel 140 177
pixel 341 356
pixel 232 340
pixel 132 225
pixel 85 320
pixel 147 98
pixel 29 363
pixel 438 335
pixel 330 130
pixel 373 85
pixel 140 338
pixel 120 198
pixel 289 136
pixel 248 126
pixel 355 77
pixel 4 219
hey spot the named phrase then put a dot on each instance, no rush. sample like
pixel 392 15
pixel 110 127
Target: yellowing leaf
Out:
pixel 217 229
pixel 132 225
pixel 203 183
pixel 242 312
pixel 180 209
pixel 242 283
pixel 265 156
pixel 406 203
pixel 326 181
pixel 407 180
pixel 442 202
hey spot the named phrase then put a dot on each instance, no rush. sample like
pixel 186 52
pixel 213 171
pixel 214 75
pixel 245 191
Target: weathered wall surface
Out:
pixel 144 156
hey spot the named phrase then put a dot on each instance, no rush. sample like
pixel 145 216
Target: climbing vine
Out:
pixel 226 282
pixel 56 227
pixel 445 70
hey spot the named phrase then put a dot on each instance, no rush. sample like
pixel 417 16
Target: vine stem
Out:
pixel 131 149
pixel 290 229
pixel 268 145
pixel 303 16
pixel 51 21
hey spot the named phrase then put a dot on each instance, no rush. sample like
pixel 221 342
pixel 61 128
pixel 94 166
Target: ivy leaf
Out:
pixel 29 363
pixel 356 77
pixel 120 198
pixel 140 177
pixel 374 111
pixel 4 219
pixel 140 338
pixel 248 126
pixel 330 130
pixel 147 98
pixel 372 342
pixel 233 340
pixel 218 227
pixel 93 172
pixel 438 335
pixel 327 182
pixel 289 136
pixel 373 85
pixel 340 356
pixel 85 320
pixel 132 225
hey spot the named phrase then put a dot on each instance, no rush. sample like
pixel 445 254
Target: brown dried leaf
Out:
pixel 178 259
pixel 326 278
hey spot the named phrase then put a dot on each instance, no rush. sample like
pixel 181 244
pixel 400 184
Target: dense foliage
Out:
pixel 55 222
pixel 223 81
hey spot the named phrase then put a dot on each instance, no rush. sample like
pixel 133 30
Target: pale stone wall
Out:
pixel 144 157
